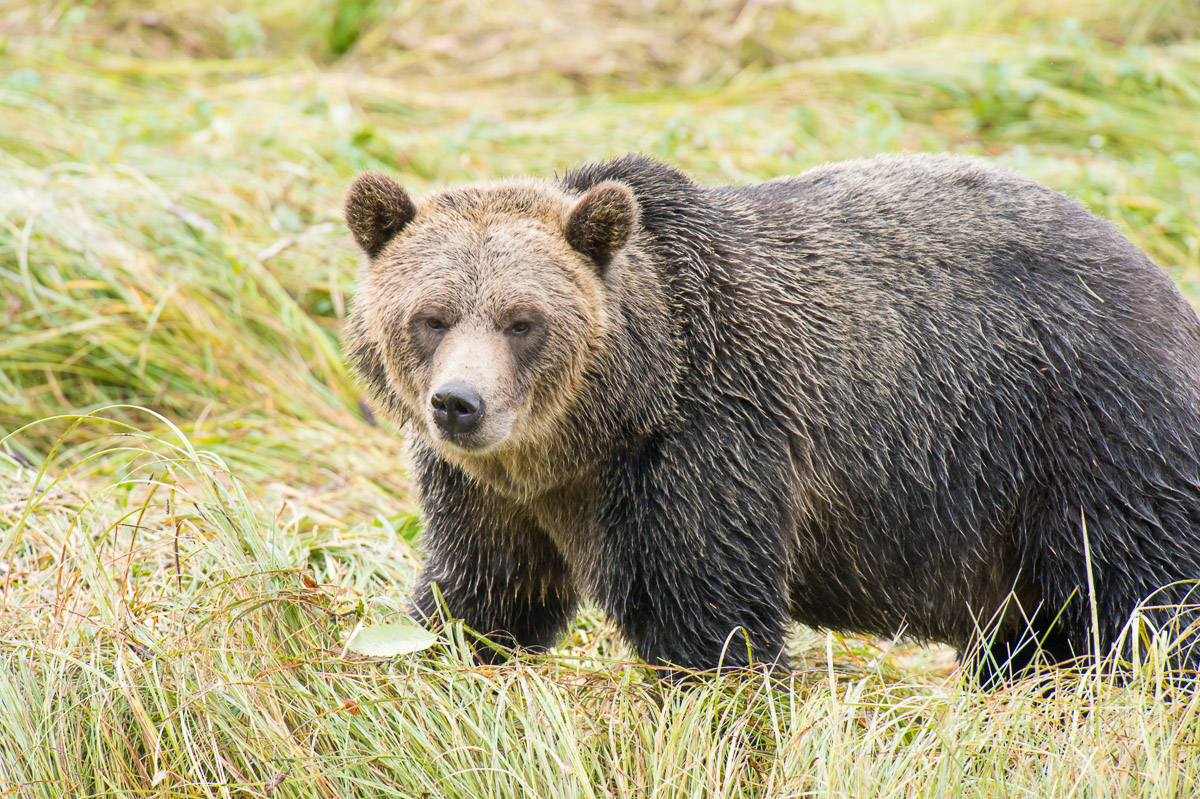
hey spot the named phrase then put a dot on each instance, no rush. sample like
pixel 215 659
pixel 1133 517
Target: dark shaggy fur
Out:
pixel 882 396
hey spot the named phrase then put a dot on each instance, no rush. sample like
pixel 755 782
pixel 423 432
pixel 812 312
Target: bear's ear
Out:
pixel 599 223
pixel 377 209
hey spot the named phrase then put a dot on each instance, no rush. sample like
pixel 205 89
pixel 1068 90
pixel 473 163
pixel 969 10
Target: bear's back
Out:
pixel 959 337
pixel 927 247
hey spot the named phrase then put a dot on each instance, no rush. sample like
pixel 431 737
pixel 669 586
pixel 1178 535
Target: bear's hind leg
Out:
pixel 1005 659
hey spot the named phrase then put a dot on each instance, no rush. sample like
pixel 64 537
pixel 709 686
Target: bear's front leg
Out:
pixel 494 568
pixel 694 554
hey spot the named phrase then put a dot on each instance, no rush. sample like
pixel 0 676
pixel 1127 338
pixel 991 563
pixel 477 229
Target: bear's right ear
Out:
pixel 377 209
pixel 600 222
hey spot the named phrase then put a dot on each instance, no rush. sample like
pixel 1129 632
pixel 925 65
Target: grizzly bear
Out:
pixel 910 394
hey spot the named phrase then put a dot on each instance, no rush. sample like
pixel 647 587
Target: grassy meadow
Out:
pixel 196 507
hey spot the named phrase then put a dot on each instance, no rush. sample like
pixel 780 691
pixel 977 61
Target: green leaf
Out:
pixel 390 640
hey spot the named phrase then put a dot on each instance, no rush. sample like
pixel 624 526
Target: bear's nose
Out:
pixel 457 409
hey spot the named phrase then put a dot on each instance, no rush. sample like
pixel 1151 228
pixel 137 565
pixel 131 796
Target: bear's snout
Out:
pixel 457 408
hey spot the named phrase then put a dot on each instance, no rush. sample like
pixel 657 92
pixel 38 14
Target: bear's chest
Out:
pixel 567 515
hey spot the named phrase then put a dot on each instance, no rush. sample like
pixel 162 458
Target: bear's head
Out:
pixel 479 310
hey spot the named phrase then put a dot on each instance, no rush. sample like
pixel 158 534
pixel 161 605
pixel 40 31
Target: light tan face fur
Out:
pixel 482 290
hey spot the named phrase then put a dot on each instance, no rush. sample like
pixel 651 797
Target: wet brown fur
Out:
pixel 878 396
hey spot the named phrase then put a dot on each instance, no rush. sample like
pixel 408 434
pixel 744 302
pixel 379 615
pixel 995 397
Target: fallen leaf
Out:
pixel 390 640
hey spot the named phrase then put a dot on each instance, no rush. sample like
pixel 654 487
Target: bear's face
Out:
pixel 484 307
pixel 483 327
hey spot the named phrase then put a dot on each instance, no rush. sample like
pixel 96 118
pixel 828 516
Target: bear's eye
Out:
pixel 519 328
pixel 435 324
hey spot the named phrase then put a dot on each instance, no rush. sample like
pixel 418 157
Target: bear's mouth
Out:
pixel 488 434
pixel 467 442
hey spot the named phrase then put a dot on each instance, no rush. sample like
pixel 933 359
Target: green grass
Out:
pixel 195 509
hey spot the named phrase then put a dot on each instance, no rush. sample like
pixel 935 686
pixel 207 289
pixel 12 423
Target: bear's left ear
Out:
pixel 377 209
pixel 599 223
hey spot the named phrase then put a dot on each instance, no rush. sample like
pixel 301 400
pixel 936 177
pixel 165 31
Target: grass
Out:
pixel 196 508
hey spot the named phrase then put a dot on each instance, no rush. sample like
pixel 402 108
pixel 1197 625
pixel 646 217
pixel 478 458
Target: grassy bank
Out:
pixel 195 506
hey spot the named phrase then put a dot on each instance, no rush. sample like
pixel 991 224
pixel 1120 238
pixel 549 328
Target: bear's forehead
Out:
pixel 487 273
pixel 489 203
pixel 480 230
pixel 486 244
pixel 503 242
pixel 469 260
